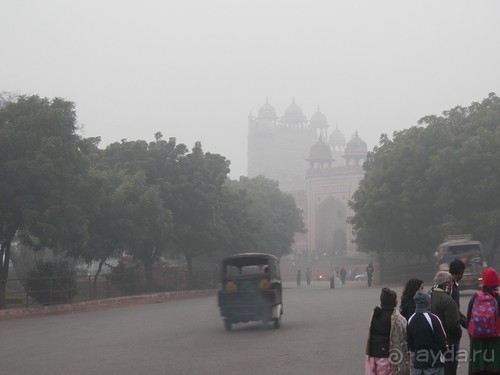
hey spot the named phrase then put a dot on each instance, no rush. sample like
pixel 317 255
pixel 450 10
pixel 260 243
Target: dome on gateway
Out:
pixel 337 138
pixel 356 145
pixel 318 120
pixel 293 114
pixel 267 112
pixel 320 150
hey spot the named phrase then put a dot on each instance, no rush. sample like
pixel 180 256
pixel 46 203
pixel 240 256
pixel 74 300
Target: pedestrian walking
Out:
pixel 343 274
pixel 369 273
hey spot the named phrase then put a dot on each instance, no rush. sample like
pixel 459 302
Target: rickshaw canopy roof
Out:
pixel 240 260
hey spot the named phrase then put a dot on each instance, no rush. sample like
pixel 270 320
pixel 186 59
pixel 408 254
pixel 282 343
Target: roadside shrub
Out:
pixel 53 281
pixel 128 278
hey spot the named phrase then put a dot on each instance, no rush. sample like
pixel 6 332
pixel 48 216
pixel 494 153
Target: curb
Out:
pixel 103 304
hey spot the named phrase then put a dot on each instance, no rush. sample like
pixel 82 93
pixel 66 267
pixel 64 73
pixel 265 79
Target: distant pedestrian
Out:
pixel 386 349
pixel 426 338
pixel 343 274
pixel 298 277
pixel 407 302
pixel 483 323
pixel 308 276
pixel 369 273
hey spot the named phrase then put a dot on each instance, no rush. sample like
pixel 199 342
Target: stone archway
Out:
pixel 339 241
pixel 331 225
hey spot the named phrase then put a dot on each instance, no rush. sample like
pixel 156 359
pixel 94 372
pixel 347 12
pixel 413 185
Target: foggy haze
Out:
pixel 194 70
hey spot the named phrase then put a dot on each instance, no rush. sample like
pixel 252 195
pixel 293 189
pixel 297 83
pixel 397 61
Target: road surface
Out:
pixel 323 332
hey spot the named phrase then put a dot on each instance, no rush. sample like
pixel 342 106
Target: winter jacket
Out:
pixel 426 339
pixel 447 311
pixel 380 330
pixel 387 338
pixel 408 309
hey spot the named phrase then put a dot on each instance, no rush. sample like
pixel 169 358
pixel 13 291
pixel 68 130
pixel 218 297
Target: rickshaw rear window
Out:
pixel 245 270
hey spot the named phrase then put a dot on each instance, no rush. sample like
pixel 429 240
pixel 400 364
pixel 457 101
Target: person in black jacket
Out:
pixel 369 273
pixel 426 338
pixel 386 338
pixel 457 268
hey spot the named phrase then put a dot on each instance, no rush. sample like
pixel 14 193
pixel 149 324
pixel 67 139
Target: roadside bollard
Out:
pixel 332 282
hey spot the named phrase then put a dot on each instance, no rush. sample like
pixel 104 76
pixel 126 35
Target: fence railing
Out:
pixel 51 291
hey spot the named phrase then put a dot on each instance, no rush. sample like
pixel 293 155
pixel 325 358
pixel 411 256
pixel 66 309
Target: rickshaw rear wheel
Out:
pixel 227 325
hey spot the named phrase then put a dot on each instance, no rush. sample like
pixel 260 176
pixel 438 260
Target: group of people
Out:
pixel 341 274
pixel 422 336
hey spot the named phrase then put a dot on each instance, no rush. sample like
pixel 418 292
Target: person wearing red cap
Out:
pixel 484 352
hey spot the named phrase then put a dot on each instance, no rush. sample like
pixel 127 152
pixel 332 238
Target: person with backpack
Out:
pixel 483 326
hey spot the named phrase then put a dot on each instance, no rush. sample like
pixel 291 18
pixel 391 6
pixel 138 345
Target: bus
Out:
pixel 469 251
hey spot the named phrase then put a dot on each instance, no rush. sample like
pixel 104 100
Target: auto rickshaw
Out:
pixel 250 289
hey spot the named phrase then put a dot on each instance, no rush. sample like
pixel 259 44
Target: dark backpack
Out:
pixel 484 321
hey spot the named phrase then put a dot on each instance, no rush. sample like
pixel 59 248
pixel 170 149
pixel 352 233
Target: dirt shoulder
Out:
pixel 102 304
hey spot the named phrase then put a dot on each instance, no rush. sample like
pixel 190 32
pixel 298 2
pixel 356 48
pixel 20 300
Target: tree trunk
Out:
pixel 4 271
pixel 99 269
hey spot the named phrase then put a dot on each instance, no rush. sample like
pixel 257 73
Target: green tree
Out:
pixel 469 171
pixel 42 170
pixel 242 231
pixel 146 222
pixel 107 229
pixel 431 180
pixel 137 218
pixel 273 215
pixel 194 196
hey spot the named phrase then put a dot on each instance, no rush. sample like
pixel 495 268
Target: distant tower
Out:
pixel 319 170
pixel 278 149
pixel 261 139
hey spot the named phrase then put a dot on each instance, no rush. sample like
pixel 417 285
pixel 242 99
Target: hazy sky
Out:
pixel 194 70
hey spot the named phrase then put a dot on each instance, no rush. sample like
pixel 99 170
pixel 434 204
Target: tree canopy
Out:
pixel 438 178
pixel 147 200
pixel 41 177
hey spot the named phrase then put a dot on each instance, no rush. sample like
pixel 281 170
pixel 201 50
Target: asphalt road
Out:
pixel 323 332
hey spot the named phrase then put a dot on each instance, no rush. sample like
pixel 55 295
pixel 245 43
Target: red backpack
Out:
pixel 484 321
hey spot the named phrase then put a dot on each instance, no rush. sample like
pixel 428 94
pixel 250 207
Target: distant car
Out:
pixel 361 277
